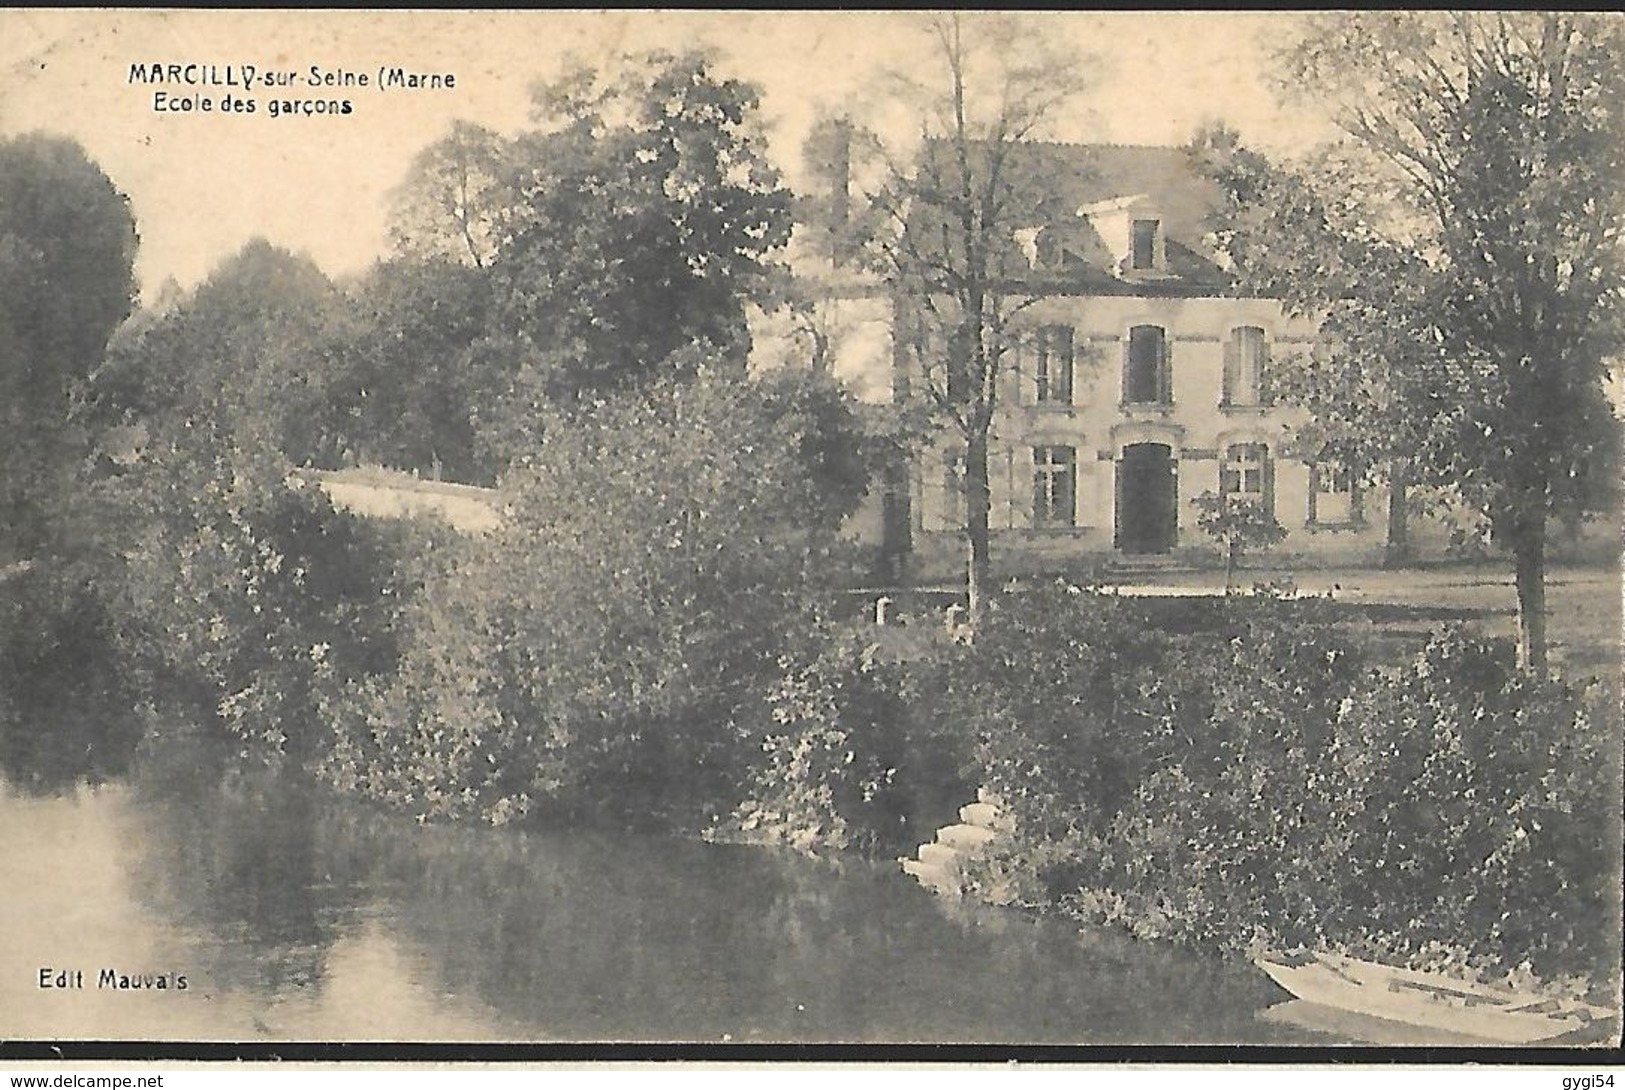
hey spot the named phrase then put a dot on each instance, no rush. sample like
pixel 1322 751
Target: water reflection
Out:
pixel 253 865
pixel 299 917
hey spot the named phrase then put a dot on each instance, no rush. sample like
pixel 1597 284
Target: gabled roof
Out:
pixel 1052 184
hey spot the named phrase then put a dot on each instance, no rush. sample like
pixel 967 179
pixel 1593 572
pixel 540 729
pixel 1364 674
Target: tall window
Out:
pixel 1052 365
pixel 1245 474
pixel 1245 356
pixel 1055 475
pixel 1145 244
pixel 1146 378
pixel 1333 494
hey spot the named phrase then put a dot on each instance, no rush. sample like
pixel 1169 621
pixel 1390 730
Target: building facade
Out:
pixel 1134 380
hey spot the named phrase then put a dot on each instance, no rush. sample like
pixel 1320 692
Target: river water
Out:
pixel 298 917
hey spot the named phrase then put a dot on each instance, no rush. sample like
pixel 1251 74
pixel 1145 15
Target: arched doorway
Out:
pixel 1147 499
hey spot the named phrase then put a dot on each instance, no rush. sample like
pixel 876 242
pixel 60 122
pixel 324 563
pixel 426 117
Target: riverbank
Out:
pixel 1249 773
pixel 978 861
pixel 1180 769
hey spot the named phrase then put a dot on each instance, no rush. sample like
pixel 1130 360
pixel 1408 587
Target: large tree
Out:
pixel 617 241
pixel 1288 236
pixel 1474 229
pixel 947 215
pixel 67 247
pixel 251 353
pixel 411 375
pixel 650 216
pixel 456 197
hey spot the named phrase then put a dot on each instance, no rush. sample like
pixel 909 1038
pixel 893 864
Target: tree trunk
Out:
pixel 1529 576
pixel 1397 548
pixel 977 501
pixel 1230 565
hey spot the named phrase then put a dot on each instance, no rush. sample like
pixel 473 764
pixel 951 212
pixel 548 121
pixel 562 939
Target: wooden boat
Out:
pixel 1433 1000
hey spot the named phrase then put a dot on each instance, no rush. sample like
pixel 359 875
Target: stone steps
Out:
pixel 987 816
pixel 939 864
pixel 965 838
pixel 933 878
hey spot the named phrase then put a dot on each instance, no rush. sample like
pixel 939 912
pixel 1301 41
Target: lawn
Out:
pixel 1584 622
pixel 1583 609
pixel 1584 617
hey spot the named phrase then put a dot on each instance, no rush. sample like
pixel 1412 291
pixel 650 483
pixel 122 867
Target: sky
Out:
pixel 202 184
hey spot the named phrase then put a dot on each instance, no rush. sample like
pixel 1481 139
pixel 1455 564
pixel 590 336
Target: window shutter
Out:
pixel 1173 503
pixel 1040 364
pixel 1232 369
pixel 1314 490
pixel 1265 396
pixel 1064 372
pixel 1117 504
pixel 1128 368
pixel 1039 512
pixel 1022 357
pixel 1268 479
pixel 1069 491
pixel 1165 373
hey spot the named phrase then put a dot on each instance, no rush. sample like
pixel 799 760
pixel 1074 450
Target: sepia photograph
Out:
pixel 736 531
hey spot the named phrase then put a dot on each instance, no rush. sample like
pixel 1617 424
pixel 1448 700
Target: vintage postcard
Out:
pixel 737 530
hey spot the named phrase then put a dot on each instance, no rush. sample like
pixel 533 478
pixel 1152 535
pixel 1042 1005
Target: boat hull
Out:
pixel 1431 1000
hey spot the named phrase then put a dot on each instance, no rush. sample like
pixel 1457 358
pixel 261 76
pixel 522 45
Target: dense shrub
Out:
pixel 1264 783
pixel 66 707
pixel 1491 804
pixel 854 756
pixel 1453 803
pixel 613 646
pixel 244 591
pixel 1237 829
pixel 1073 698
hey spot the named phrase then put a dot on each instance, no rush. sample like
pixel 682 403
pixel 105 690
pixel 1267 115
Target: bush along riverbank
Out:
pixel 642 642
pixel 614 650
pixel 1263 783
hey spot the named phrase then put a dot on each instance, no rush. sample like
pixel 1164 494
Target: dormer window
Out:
pixel 1130 227
pixel 1041 246
pixel 1144 255
pixel 1049 249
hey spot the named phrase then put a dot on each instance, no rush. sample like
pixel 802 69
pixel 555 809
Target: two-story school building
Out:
pixel 1135 379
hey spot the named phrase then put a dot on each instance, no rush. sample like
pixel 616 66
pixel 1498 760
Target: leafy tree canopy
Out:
pixel 67 248
pixel 455 199
pixel 251 353
pixel 650 217
pixel 411 378
pixel 1463 245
